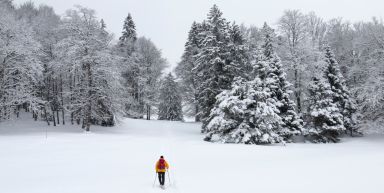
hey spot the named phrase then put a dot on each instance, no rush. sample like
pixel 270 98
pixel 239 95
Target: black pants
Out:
pixel 161 177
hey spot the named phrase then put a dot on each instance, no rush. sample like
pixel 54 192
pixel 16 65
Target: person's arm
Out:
pixel 166 165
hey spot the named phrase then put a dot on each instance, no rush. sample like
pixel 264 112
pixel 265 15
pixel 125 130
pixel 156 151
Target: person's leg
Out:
pixel 159 174
pixel 162 178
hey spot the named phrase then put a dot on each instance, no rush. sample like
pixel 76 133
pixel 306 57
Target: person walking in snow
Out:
pixel 161 167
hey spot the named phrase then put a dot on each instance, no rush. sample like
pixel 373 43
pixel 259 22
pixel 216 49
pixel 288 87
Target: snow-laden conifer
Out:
pixel 270 67
pixel 326 118
pixel 217 65
pixel 245 114
pixel 342 96
pixel 129 30
pixel 170 100
pixel 184 70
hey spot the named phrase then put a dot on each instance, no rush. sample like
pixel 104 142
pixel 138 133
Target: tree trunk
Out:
pixel 47 98
pixel 53 116
pixel 89 105
pixel 62 99
pixel 17 111
pixel 83 124
pixel 72 118
pixel 197 116
pixel 56 91
pixel 62 113
pixel 88 117
pixel 46 116
pixel 58 117
pixel 297 90
pixel 34 115
pixel 148 112
pixel 71 84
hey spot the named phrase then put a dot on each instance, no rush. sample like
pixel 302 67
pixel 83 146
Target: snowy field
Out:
pixel 121 160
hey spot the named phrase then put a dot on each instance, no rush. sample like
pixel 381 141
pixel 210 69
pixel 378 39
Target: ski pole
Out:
pixel 154 181
pixel 169 179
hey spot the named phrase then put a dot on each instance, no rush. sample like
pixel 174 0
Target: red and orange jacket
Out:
pixel 158 169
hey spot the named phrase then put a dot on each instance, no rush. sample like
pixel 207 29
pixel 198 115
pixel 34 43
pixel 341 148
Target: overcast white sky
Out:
pixel 167 22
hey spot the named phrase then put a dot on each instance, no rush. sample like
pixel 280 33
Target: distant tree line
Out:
pixel 308 77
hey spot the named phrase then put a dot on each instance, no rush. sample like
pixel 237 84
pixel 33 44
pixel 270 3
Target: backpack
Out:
pixel 161 165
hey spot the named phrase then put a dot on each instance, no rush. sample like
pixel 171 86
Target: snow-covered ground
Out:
pixel 121 160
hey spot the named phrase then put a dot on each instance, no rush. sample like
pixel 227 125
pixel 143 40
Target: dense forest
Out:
pixel 67 68
pixel 246 84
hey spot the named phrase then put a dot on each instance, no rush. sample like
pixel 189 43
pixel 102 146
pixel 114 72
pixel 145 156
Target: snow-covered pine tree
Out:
pixel 341 96
pixel 129 30
pixel 280 87
pixel 215 69
pixel 244 114
pixel 126 44
pixel 142 66
pixel 327 120
pixel 170 100
pixel 184 70
pixel 211 63
pixel 125 48
pixel 102 24
pixel 239 52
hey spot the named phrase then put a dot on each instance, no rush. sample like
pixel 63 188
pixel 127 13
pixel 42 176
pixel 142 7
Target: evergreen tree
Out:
pixel 184 69
pixel 244 114
pixel 130 68
pixel 215 53
pixel 170 100
pixel 341 95
pixel 215 69
pixel 239 52
pixel 292 124
pixel 211 63
pixel 126 45
pixel 129 30
pixel 327 121
pixel 102 24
